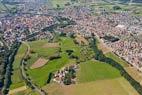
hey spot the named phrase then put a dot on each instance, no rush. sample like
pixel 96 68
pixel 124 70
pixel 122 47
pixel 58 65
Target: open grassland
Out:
pixel 68 44
pixel 95 78
pixel 38 48
pixel 83 52
pixel 95 70
pixel 40 75
pixel 17 80
pixel 117 86
pixel 19 56
pixel 28 91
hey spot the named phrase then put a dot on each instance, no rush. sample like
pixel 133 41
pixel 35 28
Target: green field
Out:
pixel 94 78
pixel 40 75
pixel 91 75
pixel 117 86
pixel 17 80
pixel 97 71
pixel 28 91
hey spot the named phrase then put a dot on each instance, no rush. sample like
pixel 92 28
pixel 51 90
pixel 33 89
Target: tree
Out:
pixel 67 79
pixel 116 7
pixel 58 6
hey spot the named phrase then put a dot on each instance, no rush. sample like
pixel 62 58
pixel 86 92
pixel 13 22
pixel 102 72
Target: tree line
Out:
pixel 101 57
pixel 9 59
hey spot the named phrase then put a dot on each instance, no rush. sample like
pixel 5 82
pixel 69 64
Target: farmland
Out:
pixel 97 71
pixel 92 74
pixel 117 86
pixel 40 75
pixel 17 80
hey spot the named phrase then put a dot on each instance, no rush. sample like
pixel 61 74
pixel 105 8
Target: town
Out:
pixel 118 30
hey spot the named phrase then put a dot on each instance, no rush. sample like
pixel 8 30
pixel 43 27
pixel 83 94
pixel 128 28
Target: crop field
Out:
pixel 116 86
pixel 28 91
pixel 95 78
pixel 97 71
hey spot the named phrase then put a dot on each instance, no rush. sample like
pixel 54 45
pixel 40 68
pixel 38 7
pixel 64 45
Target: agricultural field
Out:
pixel 117 86
pixel 40 75
pixel 97 71
pixel 19 91
pixel 92 74
pixel 17 80
pixel 95 78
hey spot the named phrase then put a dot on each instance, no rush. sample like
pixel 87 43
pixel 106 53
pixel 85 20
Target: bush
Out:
pixel 49 77
pixel 116 7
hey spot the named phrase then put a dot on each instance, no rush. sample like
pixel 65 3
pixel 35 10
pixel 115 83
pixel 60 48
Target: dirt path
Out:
pixel 36 88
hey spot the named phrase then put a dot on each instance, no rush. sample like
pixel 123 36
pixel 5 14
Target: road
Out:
pixel 22 67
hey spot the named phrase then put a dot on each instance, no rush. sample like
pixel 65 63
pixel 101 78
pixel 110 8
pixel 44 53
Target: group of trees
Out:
pixel 9 59
pixel 116 7
pixel 101 57
pixel 2 69
pixel 111 38
pixel 25 75
pixel 63 22
pixel 69 76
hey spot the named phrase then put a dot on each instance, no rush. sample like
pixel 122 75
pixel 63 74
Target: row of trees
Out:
pixel 101 57
pixel 8 67
pixel 2 69
pixel 25 75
